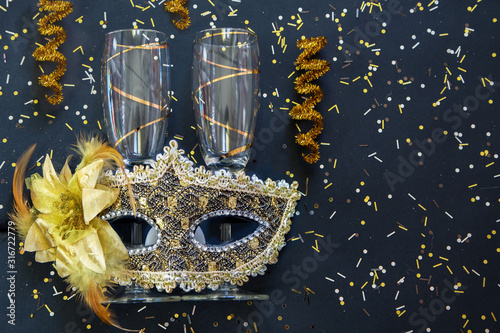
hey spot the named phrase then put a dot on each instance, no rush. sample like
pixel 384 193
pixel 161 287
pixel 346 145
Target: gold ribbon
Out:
pixel 49 52
pixel 179 7
pixel 305 111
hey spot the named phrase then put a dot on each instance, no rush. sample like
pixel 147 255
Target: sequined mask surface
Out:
pixel 175 198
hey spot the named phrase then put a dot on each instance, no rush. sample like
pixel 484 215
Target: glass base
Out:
pixel 136 294
pixel 226 292
pixel 130 162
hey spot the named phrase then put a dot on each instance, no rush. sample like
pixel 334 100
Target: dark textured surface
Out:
pixel 432 208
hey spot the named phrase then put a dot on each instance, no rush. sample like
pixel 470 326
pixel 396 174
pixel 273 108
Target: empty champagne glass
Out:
pixel 135 87
pixel 225 79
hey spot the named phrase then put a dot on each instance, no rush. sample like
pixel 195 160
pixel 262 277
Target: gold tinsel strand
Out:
pixel 179 7
pixel 305 111
pixel 48 52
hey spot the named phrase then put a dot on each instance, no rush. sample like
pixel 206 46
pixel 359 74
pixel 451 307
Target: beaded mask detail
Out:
pixel 175 198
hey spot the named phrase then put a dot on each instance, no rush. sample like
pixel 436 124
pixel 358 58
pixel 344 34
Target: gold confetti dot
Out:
pixel 418 275
pixel 494 55
pixel 351 284
pixel 430 254
pixel 274 61
pixel 176 315
pixel 216 324
pixel 91 59
pixel 422 246
pixel 4 140
pixel 464 316
pixel 35 113
pixel 14 165
pixel 280 318
pixel 16 93
pixel 89 326
pixel 485 261
pixel 6 47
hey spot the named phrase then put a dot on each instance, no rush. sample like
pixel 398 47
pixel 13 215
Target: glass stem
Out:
pixel 136 238
pixel 225 232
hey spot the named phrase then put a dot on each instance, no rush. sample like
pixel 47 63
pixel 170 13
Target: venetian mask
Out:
pixel 175 198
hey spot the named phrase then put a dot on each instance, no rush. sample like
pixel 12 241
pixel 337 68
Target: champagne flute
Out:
pixel 225 104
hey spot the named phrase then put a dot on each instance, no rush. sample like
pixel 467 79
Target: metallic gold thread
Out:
pixel 136 99
pixel 138 129
pixel 245 134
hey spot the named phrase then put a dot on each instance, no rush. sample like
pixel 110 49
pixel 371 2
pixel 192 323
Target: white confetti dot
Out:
pixel 473 126
pixel 389 196
pixel 280 17
pixel 393 264
pixel 10 117
pixel 448 307
pixel 422 86
pixel 20 121
pixel 431 288
pixel 408 98
pixel 1 206
pixel 393 62
pixel 300 9
pixel 84 117
pixel 357 190
pixel 487 204
pixel 334 59
pixel 365 251
pixel 337 291
pixel 448 248
pixel 172 36
pixel 155 57
pixel 29 83
pixel 195 6
pixel 104 26
pixel 419 257
pixel 488 134
pixel 325 181
pixel 413 37
pixel 478 197
pixel 264 95
pixel 321 166
pixel 341 298
pixel 429 30
pixel 402 47
pixel 384 24
pixel 327 15
pixel 66 107
pixel 457 170
pixel 389 99
pixel 471 166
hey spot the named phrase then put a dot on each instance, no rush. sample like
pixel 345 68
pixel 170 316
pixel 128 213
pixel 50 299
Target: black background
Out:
pixel 452 194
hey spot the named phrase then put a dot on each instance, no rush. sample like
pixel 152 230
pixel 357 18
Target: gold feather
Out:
pixel 91 149
pixel 21 214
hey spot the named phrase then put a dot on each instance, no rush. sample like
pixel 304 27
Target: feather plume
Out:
pixel 21 214
pixel 91 149
pixel 80 271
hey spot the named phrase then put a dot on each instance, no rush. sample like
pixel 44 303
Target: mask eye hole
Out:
pixel 212 229
pixel 135 232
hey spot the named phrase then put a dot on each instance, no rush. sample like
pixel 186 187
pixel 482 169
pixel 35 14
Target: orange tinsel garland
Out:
pixel 305 111
pixel 179 7
pixel 48 52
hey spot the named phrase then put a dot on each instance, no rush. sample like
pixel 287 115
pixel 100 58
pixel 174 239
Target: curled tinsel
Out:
pixel 179 7
pixel 305 111
pixel 48 52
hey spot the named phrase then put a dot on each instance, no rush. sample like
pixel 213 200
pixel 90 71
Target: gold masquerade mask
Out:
pixel 66 222
pixel 175 198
